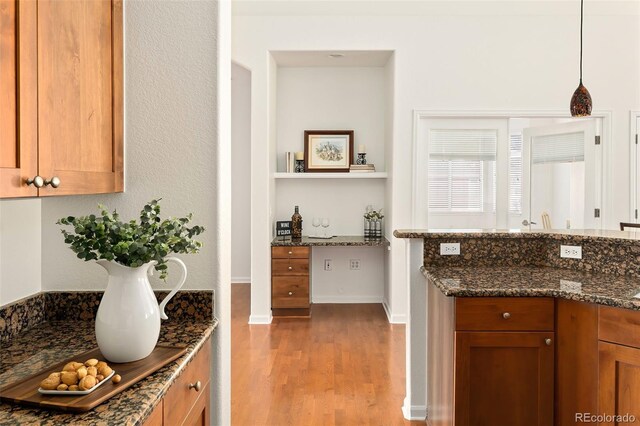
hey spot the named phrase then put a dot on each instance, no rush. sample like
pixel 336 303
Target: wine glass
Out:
pixel 316 222
pixel 325 225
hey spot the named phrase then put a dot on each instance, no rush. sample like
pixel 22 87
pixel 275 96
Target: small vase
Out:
pixel 128 318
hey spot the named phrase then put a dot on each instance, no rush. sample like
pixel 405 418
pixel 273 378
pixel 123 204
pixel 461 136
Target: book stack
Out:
pixel 362 168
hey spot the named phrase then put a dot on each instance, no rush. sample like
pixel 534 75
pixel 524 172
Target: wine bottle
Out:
pixel 296 224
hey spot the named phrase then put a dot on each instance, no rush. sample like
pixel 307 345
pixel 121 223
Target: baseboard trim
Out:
pixel 240 280
pixel 260 319
pixel 347 299
pixel 415 412
pixel 393 319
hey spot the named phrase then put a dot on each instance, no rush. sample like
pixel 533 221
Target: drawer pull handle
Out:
pixel 506 315
pixel 547 342
pixel 290 293
pixel 290 253
pixel 197 386
pixel 291 268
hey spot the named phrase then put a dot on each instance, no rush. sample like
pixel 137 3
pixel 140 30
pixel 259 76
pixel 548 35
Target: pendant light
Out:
pixel 581 103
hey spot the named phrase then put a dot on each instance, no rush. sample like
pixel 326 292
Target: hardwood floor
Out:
pixel 344 366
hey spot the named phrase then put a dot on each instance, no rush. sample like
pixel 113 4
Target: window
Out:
pixel 515 173
pixel 462 170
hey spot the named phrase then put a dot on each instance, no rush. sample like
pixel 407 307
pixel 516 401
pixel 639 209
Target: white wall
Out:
pixel 241 174
pixel 342 284
pixel 327 98
pixel 450 56
pixel 20 249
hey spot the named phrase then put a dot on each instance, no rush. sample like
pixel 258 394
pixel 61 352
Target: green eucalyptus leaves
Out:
pixel 131 243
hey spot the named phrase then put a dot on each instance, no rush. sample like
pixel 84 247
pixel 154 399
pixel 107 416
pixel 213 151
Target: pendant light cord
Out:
pixel 581 20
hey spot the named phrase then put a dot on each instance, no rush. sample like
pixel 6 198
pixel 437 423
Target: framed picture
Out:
pixel 328 150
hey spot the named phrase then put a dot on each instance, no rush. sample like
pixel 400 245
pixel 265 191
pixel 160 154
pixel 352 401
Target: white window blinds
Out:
pixel 515 173
pixel 560 148
pixel 458 162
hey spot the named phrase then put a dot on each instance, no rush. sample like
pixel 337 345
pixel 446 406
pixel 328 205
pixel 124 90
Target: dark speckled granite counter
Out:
pixel 339 241
pixel 528 263
pixel 54 339
pixel 535 281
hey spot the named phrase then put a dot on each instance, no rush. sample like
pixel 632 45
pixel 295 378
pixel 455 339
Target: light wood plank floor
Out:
pixel 344 366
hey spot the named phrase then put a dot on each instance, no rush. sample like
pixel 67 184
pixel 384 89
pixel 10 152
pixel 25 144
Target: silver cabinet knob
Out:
pixel 37 181
pixel 506 315
pixel 527 223
pixel 290 293
pixel 197 386
pixel 291 268
pixel 547 342
pixel 54 182
pixel 290 253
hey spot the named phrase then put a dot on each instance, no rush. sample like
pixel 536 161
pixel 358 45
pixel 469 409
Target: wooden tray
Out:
pixel 26 390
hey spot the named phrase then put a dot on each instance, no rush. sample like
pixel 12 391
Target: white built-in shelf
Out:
pixel 374 175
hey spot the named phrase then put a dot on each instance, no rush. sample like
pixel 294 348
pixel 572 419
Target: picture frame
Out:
pixel 328 151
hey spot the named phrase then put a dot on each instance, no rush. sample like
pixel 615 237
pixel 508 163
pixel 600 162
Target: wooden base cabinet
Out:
pixel 504 378
pixel 290 281
pixel 187 403
pixel 619 389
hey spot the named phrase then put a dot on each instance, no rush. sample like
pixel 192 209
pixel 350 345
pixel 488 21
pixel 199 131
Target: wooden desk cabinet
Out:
pixel 62 117
pixel 290 279
pixel 187 403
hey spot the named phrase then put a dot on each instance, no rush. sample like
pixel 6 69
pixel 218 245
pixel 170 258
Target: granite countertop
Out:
pixel 535 281
pixel 339 241
pixel 53 340
pixel 577 234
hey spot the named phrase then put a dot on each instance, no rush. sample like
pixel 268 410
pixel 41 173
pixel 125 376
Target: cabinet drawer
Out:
pixel 290 267
pixel 290 292
pixel 286 252
pixel 180 398
pixel 505 313
pixel 619 325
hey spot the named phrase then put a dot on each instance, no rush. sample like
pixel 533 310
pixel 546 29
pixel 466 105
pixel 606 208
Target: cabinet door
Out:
pixel 200 414
pixel 619 389
pixel 504 378
pixel 18 98
pixel 80 95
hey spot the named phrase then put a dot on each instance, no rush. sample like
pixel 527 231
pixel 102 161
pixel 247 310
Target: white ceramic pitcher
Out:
pixel 128 319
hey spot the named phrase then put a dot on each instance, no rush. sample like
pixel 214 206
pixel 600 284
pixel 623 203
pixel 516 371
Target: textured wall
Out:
pixel 19 249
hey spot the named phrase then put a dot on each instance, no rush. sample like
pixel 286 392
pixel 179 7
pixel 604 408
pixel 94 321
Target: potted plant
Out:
pixel 128 318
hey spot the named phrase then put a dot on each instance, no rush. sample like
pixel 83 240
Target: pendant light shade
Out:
pixel 581 103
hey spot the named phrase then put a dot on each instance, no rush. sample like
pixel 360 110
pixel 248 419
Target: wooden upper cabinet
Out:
pixel 18 98
pixel 62 115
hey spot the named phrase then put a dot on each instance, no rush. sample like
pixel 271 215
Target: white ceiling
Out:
pixel 322 58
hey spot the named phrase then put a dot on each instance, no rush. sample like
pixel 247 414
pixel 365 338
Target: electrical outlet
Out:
pixel 327 264
pixel 449 249
pixel 571 252
pixel 354 264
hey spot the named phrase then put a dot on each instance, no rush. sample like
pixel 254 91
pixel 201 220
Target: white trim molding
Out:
pixel 338 298
pixel 634 129
pixel 393 318
pixel 260 319
pixel 240 280
pixel 415 412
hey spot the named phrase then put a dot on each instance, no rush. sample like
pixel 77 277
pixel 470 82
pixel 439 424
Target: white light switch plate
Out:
pixel 571 252
pixel 449 249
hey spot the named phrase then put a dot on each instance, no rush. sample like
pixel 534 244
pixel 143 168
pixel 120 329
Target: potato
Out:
pixel 56 375
pixel 82 372
pixel 62 387
pixel 69 378
pixel 92 371
pixel 74 388
pixel 101 364
pixel 87 383
pixel 105 371
pixel 49 383
pixel 100 377
pixel 77 365
pixel 91 362
pixel 116 378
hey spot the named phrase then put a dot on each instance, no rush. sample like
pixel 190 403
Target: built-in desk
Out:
pixel 291 270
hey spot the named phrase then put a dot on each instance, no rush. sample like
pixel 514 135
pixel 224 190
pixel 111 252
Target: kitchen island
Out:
pixel 514 332
pixel 51 327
